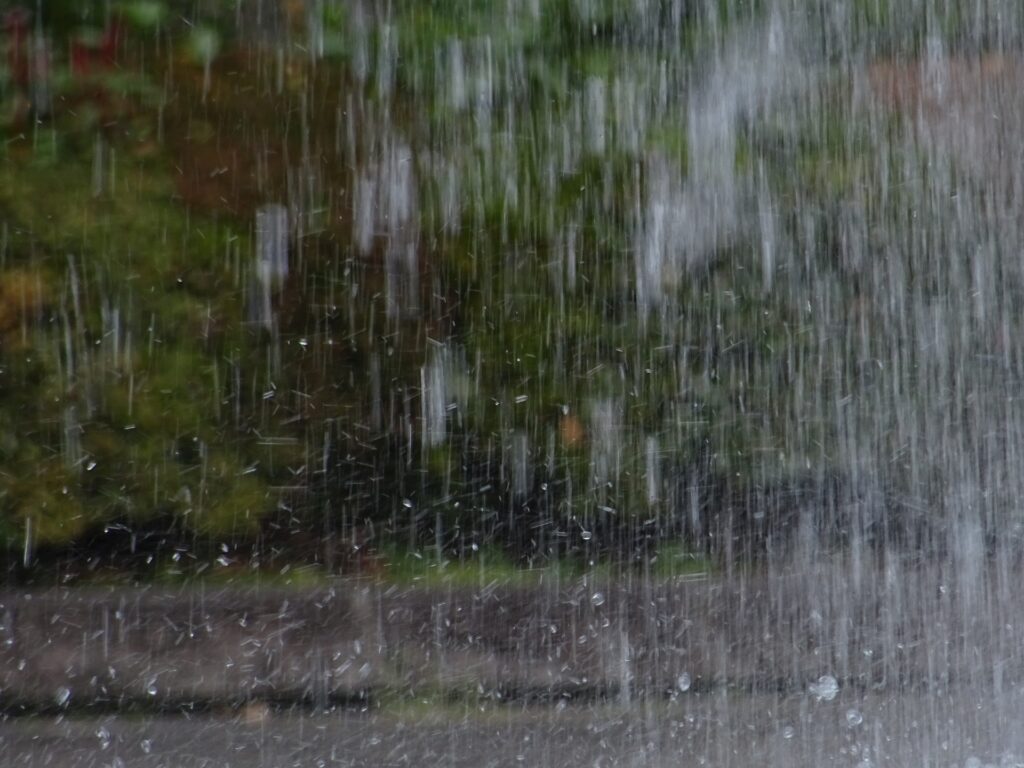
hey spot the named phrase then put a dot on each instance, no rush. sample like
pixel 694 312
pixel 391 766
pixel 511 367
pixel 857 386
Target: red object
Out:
pixel 86 58
pixel 16 26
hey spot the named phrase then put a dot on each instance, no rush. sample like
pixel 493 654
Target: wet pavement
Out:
pixel 160 648
pixel 966 728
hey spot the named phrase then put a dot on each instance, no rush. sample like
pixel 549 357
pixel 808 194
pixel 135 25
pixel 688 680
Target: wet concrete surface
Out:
pixel 787 669
pixel 162 649
pixel 969 728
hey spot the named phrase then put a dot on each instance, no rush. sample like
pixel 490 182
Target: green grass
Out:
pixel 310 576
pixel 673 560
pixel 484 567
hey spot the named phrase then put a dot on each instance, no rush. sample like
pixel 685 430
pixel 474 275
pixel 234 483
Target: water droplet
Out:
pixel 146 746
pixel 63 696
pixel 825 689
pixel 586 535
pixel 597 598
pixel 104 737
pixel 788 732
pixel 854 718
pixel 683 682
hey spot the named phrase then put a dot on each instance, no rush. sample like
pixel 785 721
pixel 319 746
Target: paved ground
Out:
pixel 967 729
pixel 800 669
pixel 156 648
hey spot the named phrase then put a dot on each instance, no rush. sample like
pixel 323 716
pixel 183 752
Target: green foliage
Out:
pixel 145 14
pixel 204 44
pixel 140 386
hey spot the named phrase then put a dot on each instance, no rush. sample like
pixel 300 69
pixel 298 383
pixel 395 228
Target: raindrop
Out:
pixel 825 689
pixel 854 717
pixel 683 682
pixel 63 696
pixel 788 732
pixel 597 598
pixel 146 746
